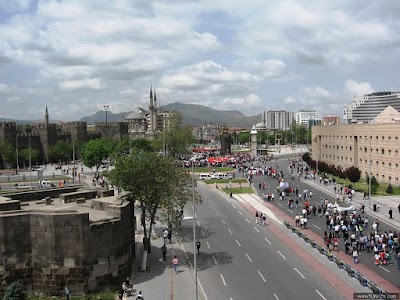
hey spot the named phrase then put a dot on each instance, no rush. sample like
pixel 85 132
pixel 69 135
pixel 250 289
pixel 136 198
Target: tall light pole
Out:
pixel 194 232
pixel 317 165
pixel 164 138
pixel 16 150
pixel 106 108
pixel 30 160
pixel 370 173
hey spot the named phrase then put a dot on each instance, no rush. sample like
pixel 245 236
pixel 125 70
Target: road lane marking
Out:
pixel 208 200
pixel 281 255
pixel 317 227
pixel 248 221
pixel 208 245
pixel 291 212
pixel 218 214
pixel 276 297
pixel 223 279
pixel 384 269
pixel 233 206
pixel 223 221
pixel 213 207
pixel 300 273
pixel 230 231
pixel 195 216
pixel 280 204
pixel 256 229
pixel 198 223
pixel 238 243
pixel 240 213
pixel 268 241
pixel 215 261
pixel 261 275
pixel 248 257
pixel 322 296
pixel 202 232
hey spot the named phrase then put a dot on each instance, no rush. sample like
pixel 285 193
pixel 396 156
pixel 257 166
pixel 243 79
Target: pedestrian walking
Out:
pixel 164 252
pixel 198 245
pixel 165 234
pixel 390 214
pixel 355 256
pixel 175 263
pixel 257 216
pixel 399 208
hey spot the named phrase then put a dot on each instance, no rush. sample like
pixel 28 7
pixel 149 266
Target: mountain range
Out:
pixel 192 114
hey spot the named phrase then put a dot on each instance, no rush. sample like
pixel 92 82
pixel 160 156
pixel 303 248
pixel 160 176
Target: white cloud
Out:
pixel 87 83
pixel 358 88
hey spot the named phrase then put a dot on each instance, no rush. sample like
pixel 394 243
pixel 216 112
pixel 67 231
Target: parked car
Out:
pixel 45 183
pixel 222 176
pixel 22 186
pixel 205 176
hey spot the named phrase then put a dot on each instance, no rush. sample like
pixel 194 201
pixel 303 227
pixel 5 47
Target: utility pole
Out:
pixel 106 108
pixel 370 173
pixel 30 160
pixel 16 150
pixel 194 232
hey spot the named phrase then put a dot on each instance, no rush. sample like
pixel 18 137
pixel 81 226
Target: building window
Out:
pixel 377 163
pixel 396 152
pixel 383 138
pixel 397 166
pixel 360 161
pixel 383 151
pixel 350 148
pixel 397 179
pixel 390 152
pixel 351 159
pixel 396 139
pixel 365 149
pixel 390 138
pixel 377 150
pixel 377 138
pixel 366 161
pixel 390 165
pixel 383 164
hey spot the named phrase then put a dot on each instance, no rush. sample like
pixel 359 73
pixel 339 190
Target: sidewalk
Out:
pixel 160 281
pixel 385 203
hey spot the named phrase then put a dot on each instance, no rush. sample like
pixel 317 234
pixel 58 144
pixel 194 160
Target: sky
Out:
pixel 76 56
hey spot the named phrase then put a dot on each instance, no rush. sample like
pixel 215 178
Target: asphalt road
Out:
pixel 317 224
pixel 241 260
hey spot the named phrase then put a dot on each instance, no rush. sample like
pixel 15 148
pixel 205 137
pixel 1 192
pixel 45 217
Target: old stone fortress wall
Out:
pixel 81 238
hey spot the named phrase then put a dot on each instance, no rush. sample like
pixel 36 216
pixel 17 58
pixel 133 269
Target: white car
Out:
pixel 22 186
pixel 222 176
pixel 205 177
pixel 45 183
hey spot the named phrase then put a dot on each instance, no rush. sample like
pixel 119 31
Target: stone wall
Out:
pixel 48 250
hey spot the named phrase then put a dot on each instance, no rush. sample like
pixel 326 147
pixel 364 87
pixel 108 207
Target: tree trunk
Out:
pixel 144 261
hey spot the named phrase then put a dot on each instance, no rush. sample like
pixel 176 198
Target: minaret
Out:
pixel 150 132
pixel 264 119
pixel 46 117
pixel 155 112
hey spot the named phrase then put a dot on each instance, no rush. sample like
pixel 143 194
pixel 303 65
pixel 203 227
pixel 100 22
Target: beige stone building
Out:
pixel 349 145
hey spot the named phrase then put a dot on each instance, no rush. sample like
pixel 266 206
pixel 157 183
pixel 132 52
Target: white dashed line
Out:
pixel 233 206
pixel 238 243
pixel 223 279
pixel 230 231
pixel 240 213
pixel 317 227
pixel 218 214
pixel 215 261
pixel 300 273
pixel 223 221
pixel 208 245
pixel 256 229
pixel 213 207
pixel 202 232
pixel 261 275
pixel 384 269
pixel 276 297
pixel 268 241
pixel 248 257
pixel 281 255
pixel 280 204
pixel 198 223
pixel 291 212
pixel 248 221
pixel 322 296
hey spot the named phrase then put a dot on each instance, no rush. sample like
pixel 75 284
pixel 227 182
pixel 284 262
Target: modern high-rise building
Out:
pixel 308 118
pixel 279 120
pixel 365 108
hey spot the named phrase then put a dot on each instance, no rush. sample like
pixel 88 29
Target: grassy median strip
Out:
pixel 239 190
pixel 225 181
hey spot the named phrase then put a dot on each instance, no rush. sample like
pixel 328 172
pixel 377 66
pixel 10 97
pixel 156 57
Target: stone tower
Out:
pixel 253 141
pixel 150 128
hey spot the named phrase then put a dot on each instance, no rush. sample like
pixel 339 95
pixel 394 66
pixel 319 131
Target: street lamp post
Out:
pixel 317 165
pixel 106 108
pixel 370 173
pixel 30 160
pixel 16 150
pixel 194 232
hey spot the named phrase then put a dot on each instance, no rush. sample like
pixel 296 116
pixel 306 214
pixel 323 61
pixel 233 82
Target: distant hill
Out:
pixel 192 114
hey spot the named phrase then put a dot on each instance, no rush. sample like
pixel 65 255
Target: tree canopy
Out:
pixel 61 151
pixel 95 152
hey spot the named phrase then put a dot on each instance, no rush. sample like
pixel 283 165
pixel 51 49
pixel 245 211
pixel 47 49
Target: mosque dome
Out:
pixel 137 114
pixel 260 126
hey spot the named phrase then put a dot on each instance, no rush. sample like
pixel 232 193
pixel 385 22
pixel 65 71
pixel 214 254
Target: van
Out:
pixel 45 183
pixel 223 176
pixel 204 177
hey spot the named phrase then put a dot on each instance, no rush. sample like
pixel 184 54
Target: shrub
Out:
pixel 15 291
pixel 353 174
pixel 389 189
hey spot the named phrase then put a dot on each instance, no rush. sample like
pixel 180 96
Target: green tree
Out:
pixel 177 138
pixel 24 155
pixel 154 181
pixel 15 291
pixel 389 189
pixel 95 152
pixel 61 151
pixel 8 153
pixel 244 137
pixel 353 174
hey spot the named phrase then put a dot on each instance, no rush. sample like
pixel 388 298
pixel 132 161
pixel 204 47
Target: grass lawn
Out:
pixel 242 180
pixel 362 186
pixel 238 190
